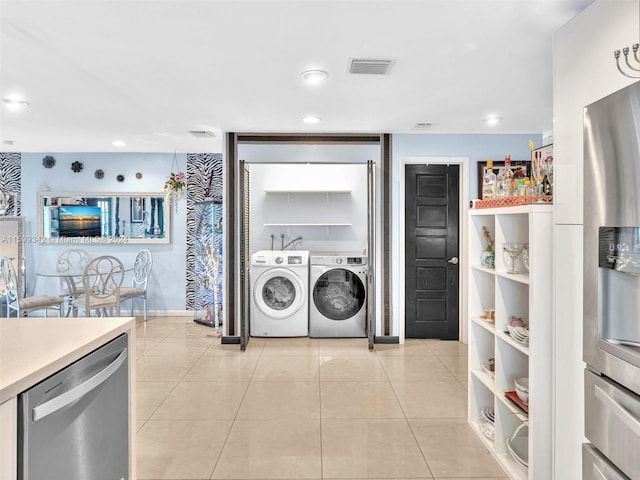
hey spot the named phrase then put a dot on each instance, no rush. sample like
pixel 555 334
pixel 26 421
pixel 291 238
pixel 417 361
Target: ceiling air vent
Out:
pixel 202 133
pixel 370 66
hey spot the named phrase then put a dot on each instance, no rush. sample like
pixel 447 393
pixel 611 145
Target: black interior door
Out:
pixel 431 251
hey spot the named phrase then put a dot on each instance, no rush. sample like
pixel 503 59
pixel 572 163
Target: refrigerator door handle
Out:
pixel 79 391
pixel 618 410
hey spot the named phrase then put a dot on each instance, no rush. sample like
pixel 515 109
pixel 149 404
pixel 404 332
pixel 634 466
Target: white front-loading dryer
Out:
pixel 279 293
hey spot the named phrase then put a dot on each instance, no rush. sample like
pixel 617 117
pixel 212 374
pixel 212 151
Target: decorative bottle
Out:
pixel 505 179
pixel 546 186
pixel 489 182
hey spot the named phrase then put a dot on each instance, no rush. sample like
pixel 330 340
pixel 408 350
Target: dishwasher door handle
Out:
pixel 598 473
pixel 76 393
pixel 619 411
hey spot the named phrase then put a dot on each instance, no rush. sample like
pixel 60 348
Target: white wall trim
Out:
pixel 157 313
pixel 463 211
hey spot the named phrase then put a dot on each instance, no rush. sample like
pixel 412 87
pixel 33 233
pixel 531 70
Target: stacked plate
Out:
pixel 488 414
pixel 487 425
pixel 519 334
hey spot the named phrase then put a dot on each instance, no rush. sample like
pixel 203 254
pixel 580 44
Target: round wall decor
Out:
pixel 76 166
pixel 99 174
pixel 138 175
pixel 48 161
pixel 120 178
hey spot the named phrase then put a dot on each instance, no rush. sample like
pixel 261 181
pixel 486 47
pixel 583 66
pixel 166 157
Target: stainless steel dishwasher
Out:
pixel 74 424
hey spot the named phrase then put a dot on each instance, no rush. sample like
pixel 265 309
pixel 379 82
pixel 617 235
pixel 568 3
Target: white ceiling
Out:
pixel 148 71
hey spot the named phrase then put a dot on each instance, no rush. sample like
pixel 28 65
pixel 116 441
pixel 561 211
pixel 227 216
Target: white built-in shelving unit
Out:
pixel 527 295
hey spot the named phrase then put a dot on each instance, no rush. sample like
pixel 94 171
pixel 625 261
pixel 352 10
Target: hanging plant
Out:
pixel 48 161
pixel 120 178
pixel 99 174
pixel 175 185
pixel 76 167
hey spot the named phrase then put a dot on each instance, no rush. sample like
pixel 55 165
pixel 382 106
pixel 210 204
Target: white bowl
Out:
pixel 518 445
pixel 488 429
pixel 522 388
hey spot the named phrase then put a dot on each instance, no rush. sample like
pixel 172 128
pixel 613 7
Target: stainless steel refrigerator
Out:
pixel 612 286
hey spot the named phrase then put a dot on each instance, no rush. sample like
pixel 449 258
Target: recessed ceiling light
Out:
pixel 118 143
pixel 8 142
pixel 423 125
pixel 492 120
pixel 15 103
pixel 311 119
pixel 314 76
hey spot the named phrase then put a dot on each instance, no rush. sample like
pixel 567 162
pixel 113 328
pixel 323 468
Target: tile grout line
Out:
pixel 235 417
pixel 320 413
pixel 145 354
pixel 405 416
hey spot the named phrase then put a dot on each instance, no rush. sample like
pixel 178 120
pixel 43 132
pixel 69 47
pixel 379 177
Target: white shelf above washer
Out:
pixel 332 224
pixel 319 190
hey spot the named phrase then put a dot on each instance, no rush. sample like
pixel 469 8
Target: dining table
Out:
pixel 72 281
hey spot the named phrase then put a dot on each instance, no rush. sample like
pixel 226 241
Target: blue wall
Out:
pixel 473 147
pixel 167 284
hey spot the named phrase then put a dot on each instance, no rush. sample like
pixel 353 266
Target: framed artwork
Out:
pixel 521 169
pixel 137 209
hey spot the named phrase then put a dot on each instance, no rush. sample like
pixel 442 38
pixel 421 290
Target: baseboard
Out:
pixel 227 340
pixel 393 340
pixel 161 313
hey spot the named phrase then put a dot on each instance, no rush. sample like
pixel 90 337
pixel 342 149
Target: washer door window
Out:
pixel 339 294
pixel 279 293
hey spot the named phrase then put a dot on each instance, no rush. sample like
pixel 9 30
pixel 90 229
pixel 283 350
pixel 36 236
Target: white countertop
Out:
pixel 33 348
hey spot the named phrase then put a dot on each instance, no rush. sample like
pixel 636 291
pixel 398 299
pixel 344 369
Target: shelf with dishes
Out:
pixel 505 337
pixel 484 322
pixel 509 306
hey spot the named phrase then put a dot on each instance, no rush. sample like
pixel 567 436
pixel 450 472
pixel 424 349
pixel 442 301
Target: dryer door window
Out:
pixel 279 293
pixel 339 294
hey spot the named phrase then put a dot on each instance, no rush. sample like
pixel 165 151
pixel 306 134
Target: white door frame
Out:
pixel 462 230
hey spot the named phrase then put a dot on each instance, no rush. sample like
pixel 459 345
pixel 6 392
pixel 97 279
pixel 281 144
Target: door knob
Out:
pixel 453 260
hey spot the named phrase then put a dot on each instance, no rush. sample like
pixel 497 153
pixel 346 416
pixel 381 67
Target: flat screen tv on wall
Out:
pixel 79 221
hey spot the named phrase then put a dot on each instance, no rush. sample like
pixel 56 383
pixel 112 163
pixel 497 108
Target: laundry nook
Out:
pixel 312 280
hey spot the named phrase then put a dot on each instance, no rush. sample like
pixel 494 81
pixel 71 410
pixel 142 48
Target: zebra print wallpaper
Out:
pixel 204 182
pixel 10 173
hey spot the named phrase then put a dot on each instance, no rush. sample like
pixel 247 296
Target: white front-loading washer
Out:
pixel 338 299
pixel 279 293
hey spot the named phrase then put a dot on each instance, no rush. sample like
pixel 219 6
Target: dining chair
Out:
pixel 25 305
pixel 141 272
pixel 101 281
pixel 70 265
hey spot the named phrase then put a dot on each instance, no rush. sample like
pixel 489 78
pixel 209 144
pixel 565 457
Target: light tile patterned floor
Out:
pixel 301 408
